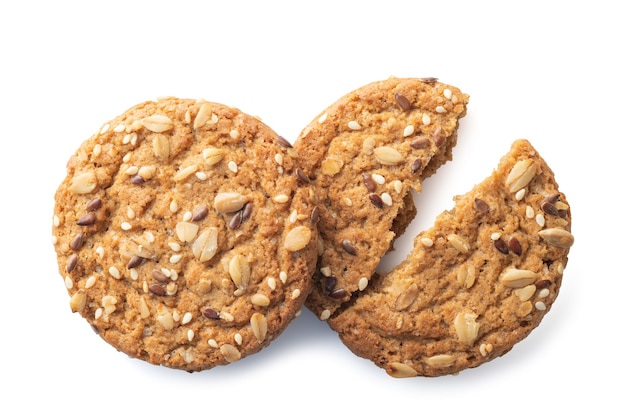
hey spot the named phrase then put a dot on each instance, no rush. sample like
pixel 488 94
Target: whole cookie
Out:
pixel 479 281
pixel 184 236
pixel 364 154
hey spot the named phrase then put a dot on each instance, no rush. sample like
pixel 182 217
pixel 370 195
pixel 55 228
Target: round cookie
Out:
pixel 364 154
pixel 479 281
pixel 184 234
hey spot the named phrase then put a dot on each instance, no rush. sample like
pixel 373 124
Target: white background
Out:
pixel 551 72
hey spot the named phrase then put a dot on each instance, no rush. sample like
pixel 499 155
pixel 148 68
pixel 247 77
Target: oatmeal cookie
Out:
pixel 479 281
pixel 364 154
pixel 184 235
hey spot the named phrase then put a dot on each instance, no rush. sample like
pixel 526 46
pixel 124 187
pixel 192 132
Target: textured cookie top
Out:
pixel 476 283
pixel 365 153
pixel 184 235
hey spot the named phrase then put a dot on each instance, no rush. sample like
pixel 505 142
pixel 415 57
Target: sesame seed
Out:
pixel 520 194
pixel 68 282
pixel 232 165
pixel 126 226
pixel 91 281
pixel 213 343
pixel 325 315
pixel 440 109
pixel 234 134
pixel 354 125
pixel 202 176
pixel 322 118
pixel 97 150
pixel 98 313
pixel 347 201
pixel 447 93
pixel 397 186
pixel 104 128
pixel 378 179
pixel 115 273
pixel 238 339
pixel 530 212
pixel 134 275
pixel 426 241
pixel 100 251
pixel 408 131
pixel 187 318
pixel 281 198
pixel 271 282
pixel 173 206
pixel 543 293
pixel 325 270
pixel 293 217
pixel 540 305
pixel 176 258
pixel 278 158
pixel 363 283
pixel 295 294
pixel 130 213
pixel 496 236
pixel 187 216
pixel 119 128
pixel 425 119
pixel 55 221
pixel 175 246
pixel 190 335
pixel 283 277
pixel 386 199
pixel 127 157
pixel 541 221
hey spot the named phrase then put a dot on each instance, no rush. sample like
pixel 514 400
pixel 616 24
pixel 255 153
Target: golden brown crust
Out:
pixel 184 235
pixel 479 281
pixel 364 154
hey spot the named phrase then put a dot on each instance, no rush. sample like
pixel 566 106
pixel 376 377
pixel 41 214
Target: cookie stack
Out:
pixel 190 234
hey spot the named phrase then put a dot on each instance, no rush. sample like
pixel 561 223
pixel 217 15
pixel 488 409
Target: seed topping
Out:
pixel 205 246
pixel 94 204
pixel 157 123
pixel 466 327
pixel 258 323
pixel 400 370
pixel 297 238
pixel 557 237
pixel 229 202
pixel 518 278
pixel 376 200
pixel 83 183
pixel 402 101
pixel 521 174
pixel 406 298
pixel 387 155
pixel 349 247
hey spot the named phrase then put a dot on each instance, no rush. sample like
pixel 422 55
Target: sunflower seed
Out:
pixel 521 174
pixel 258 323
pixel 466 327
pixel 205 246
pixel 518 278
pixel 157 123
pixel 387 155
pixel 297 238
pixel 557 237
